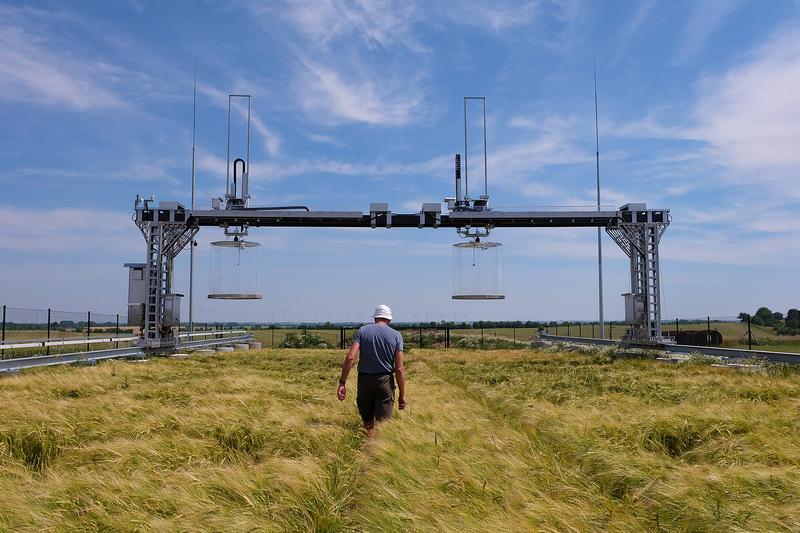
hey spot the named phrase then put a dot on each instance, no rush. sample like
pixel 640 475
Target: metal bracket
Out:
pixel 431 214
pixel 379 214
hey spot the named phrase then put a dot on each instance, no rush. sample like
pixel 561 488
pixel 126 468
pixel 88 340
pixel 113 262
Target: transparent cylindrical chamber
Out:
pixel 476 271
pixel 234 270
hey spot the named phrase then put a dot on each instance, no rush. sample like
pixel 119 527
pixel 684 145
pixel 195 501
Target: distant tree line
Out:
pixel 788 324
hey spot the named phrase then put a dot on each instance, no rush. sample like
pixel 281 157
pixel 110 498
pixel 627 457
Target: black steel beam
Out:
pixel 358 219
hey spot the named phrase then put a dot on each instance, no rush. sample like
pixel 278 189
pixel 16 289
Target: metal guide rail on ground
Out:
pixel 67 341
pixel 728 353
pixel 90 357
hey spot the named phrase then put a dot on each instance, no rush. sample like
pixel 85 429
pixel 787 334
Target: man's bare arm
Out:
pixel 400 377
pixel 347 364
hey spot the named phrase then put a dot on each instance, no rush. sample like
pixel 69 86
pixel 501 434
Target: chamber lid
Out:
pixel 234 296
pixel 482 245
pixel 478 297
pixel 236 244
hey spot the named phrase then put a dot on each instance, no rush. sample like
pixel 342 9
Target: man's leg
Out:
pixel 384 399
pixel 365 400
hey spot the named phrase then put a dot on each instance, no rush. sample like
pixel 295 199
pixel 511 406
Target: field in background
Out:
pixel 491 441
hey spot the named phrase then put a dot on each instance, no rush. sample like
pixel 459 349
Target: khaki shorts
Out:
pixel 375 397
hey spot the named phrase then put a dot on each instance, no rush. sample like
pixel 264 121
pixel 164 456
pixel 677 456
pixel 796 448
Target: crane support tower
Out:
pixel 169 227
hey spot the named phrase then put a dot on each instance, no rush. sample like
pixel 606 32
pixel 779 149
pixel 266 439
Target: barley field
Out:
pixel 506 440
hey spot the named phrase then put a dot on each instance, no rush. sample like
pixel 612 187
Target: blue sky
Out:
pixel 361 101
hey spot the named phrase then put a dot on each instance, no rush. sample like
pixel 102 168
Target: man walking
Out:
pixel 380 361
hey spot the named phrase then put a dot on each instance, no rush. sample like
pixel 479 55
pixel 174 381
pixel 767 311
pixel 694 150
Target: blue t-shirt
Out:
pixel 378 344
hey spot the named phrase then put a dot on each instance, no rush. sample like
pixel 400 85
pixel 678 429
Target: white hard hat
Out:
pixel 383 311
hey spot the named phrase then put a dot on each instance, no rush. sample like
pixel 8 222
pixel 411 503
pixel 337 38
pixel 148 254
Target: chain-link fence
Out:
pixel 741 332
pixel 414 336
pixel 36 331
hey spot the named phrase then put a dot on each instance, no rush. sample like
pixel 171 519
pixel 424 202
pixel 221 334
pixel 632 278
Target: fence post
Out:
pixel 677 328
pixel 708 331
pixel 569 330
pixel 48 331
pixel 593 330
pixel 447 337
pixel 580 330
pixel 118 330
pixel 4 323
pixel 611 330
pixel 749 335
pixel 88 327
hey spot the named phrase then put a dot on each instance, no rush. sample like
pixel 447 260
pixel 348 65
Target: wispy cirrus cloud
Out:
pixel 270 138
pixel 65 230
pixel 36 68
pixel 370 61
pixel 704 20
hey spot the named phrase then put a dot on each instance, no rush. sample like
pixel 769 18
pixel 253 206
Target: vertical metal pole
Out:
pixel 117 345
pixel 466 157
pixel 580 329
pixel 599 233
pixel 88 324
pixel 447 337
pixel 677 328
pixel 4 324
pixel 48 330
pixel 569 330
pixel 191 244
pixel 708 331
pixel 593 330
pixel 749 335
pixel 485 157
pixel 611 331
pixel 228 161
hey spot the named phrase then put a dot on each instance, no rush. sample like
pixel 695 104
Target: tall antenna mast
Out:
pixel 599 233
pixel 191 246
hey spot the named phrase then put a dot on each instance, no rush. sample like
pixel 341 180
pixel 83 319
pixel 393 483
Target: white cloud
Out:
pixel 353 94
pixel 750 114
pixel 366 61
pixel 218 98
pixel 36 69
pixel 494 16
pixel 704 20
pixel 68 230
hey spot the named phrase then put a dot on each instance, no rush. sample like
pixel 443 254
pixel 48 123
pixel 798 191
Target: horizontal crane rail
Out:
pixel 358 219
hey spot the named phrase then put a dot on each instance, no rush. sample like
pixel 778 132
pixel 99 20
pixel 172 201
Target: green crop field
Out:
pixel 512 440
